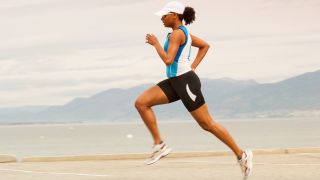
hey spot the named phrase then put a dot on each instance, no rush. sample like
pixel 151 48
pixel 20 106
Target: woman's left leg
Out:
pixel 188 88
pixel 204 119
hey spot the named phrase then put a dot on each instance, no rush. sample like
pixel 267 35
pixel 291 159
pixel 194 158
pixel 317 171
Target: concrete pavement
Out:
pixel 282 164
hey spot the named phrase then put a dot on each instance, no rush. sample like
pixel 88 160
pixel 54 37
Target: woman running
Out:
pixel 182 84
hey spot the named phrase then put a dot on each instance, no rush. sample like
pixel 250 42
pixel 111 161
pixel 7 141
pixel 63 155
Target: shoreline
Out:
pixel 159 122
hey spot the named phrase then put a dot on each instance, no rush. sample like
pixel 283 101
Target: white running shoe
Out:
pixel 246 163
pixel 159 151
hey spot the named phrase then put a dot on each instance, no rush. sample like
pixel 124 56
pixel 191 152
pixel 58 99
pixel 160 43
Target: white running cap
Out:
pixel 173 6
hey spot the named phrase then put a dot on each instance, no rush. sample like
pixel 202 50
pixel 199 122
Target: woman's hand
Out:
pixel 151 39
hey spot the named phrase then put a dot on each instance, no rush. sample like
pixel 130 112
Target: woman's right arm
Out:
pixel 175 41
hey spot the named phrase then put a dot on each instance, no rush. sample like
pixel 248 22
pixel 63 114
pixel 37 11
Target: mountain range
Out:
pixel 226 98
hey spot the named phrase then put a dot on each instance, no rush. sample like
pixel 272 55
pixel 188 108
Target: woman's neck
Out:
pixel 177 25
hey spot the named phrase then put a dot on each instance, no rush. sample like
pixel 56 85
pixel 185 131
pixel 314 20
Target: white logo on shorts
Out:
pixel 191 95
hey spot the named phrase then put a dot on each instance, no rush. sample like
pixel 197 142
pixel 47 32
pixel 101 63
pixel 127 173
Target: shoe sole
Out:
pixel 163 154
pixel 250 157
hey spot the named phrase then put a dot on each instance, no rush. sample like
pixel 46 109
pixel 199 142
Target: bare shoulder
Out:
pixel 177 33
pixel 178 36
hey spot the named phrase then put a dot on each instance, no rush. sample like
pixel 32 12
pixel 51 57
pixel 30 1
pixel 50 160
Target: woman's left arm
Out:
pixel 203 48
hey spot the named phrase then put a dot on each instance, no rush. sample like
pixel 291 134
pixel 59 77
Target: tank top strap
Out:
pixel 186 33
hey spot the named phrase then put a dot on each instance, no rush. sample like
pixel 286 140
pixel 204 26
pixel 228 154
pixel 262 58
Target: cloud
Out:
pixel 18 3
pixel 55 50
pixel 63 28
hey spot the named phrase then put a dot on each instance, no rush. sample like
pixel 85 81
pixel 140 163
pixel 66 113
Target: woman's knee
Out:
pixel 140 103
pixel 206 125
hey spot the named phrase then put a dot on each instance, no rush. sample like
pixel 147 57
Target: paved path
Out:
pixel 292 166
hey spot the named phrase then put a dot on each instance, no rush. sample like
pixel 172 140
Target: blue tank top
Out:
pixel 181 63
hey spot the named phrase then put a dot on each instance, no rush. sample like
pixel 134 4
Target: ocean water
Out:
pixel 104 138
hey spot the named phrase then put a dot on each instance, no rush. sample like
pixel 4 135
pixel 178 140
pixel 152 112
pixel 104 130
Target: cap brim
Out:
pixel 162 12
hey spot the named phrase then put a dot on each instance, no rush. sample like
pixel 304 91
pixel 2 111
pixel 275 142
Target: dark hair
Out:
pixel 188 15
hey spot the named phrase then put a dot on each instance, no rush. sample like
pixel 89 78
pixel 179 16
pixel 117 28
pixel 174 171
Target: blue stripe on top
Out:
pixel 172 69
pixel 166 44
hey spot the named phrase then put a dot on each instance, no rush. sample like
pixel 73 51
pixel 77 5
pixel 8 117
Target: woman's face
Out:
pixel 168 19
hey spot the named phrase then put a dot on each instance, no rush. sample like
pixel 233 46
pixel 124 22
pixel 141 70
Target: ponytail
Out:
pixel 188 15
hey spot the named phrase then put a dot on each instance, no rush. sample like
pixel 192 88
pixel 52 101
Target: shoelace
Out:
pixel 243 161
pixel 156 151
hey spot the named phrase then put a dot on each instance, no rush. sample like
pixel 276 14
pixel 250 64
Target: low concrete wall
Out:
pixel 104 157
pixel 7 158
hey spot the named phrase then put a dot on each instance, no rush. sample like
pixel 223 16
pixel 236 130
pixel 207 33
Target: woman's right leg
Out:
pixel 151 97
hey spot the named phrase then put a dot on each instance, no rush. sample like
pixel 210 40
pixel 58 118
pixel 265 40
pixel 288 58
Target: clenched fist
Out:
pixel 151 39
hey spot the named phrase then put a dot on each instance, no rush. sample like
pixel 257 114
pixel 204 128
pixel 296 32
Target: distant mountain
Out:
pixel 226 98
pixel 23 114
pixel 299 93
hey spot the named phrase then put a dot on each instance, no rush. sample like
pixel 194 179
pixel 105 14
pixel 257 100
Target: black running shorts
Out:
pixel 186 87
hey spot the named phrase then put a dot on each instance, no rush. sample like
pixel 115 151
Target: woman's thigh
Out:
pixel 153 96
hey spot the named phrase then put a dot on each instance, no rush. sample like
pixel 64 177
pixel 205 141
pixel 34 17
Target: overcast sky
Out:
pixel 52 51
